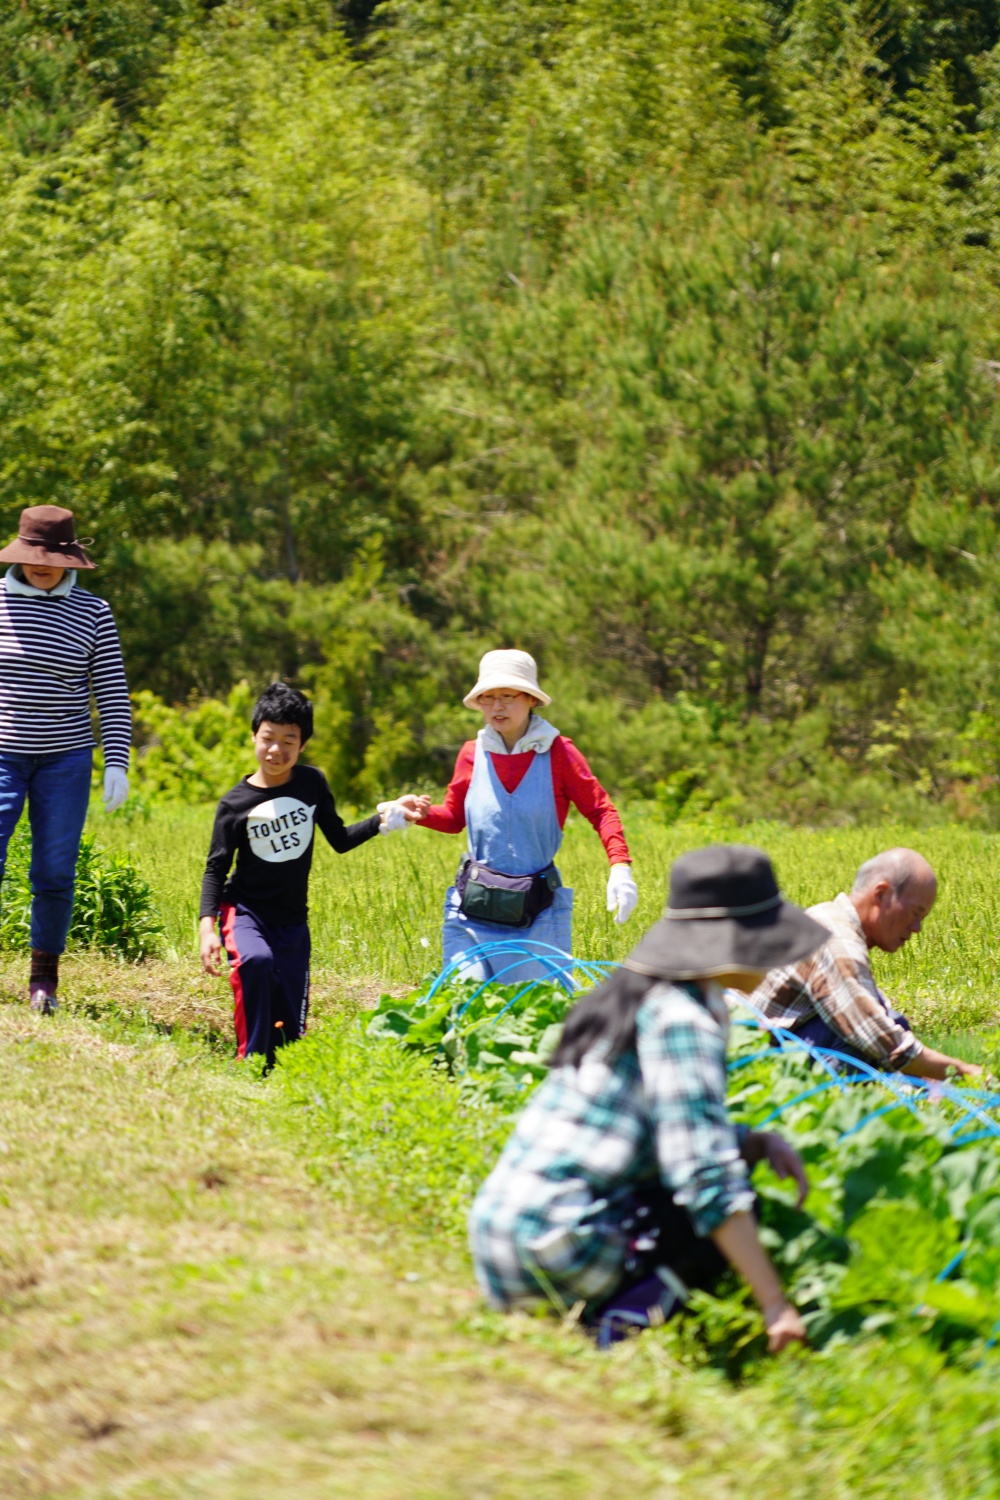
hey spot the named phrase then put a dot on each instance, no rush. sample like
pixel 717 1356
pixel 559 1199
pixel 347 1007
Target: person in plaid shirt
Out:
pixel 831 998
pixel 624 1178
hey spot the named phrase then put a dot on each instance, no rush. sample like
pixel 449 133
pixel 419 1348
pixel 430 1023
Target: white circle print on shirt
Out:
pixel 280 830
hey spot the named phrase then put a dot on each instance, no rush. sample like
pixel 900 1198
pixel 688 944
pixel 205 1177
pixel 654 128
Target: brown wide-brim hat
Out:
pixel 725 912
pixel 46 538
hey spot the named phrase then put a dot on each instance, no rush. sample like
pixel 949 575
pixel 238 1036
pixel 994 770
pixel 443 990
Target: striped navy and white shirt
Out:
pixel 54 648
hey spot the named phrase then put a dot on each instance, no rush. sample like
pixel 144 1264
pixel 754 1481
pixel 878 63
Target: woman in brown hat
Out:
pixel 58 643
pixel 624 1183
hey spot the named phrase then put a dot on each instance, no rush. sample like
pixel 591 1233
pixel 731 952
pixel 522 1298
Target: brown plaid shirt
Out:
pixel 836 983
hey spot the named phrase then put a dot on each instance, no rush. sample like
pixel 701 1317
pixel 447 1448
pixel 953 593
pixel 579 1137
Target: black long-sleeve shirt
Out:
pixel 270 831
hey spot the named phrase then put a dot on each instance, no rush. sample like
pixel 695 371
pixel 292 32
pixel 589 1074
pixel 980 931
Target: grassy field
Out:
pixel 185 1313
pixel 376 913
pixel 214 1284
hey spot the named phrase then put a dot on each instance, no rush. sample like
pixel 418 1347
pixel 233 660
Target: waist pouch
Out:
pixel 509 900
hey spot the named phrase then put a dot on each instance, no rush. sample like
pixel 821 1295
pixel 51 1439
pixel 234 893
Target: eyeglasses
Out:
pixel 499 700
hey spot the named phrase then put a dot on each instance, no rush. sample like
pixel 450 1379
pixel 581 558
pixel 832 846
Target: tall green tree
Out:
pixel 60 59
pixel 701 441
pixel 263 303
pixel 557 104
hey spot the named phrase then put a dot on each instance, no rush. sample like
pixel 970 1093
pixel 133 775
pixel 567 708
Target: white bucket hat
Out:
pixel 514 670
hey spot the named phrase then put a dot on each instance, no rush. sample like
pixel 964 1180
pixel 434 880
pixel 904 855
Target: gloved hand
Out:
pixel 115 788
pixel 394 818
pixel 623 893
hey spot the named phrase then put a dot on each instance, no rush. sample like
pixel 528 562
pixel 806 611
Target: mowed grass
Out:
pixel 376 913
pixel 185 1313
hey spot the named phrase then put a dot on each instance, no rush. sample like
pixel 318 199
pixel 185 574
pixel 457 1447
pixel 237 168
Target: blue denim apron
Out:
pixel 517 833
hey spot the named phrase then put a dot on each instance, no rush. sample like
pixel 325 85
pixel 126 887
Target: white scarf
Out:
pixel 15 584
pixel 538 737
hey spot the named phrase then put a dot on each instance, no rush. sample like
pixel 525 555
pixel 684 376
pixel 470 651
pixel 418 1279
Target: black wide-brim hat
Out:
pixel 725 912
pixel 46 538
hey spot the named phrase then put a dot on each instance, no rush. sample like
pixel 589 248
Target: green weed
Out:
pixel 900 1224
pixel 114 910
pixel 495 1041
pixel 391 1133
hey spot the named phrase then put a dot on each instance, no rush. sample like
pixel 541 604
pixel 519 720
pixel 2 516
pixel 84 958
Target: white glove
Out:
pixel 623 893
pixel 394 819
pixel 115 788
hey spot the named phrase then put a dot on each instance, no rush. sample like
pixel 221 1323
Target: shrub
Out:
pixel 192 754
pixel 114 910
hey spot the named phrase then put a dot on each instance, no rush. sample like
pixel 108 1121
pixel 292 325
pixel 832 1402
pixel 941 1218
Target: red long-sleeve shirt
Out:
pixel 572 781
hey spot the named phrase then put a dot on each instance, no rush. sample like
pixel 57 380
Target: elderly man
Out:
pixel 831 998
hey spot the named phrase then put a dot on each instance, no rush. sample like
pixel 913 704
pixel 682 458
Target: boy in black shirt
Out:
pixel 267 821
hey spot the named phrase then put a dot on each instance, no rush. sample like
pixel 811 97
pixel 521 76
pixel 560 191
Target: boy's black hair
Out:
pixel 281 704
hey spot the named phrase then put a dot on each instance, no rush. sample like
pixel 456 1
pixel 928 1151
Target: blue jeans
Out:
pixel 57 789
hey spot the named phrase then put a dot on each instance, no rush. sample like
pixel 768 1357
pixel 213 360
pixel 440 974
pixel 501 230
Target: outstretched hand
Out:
pixel 414 807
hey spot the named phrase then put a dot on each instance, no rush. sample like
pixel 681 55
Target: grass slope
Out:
pixel 184 1312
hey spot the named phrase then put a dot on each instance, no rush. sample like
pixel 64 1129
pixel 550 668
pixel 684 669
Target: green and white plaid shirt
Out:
pixel 546 1222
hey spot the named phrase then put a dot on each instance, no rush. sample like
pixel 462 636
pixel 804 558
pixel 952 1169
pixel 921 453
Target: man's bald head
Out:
pixel 892 894
pixel 897 867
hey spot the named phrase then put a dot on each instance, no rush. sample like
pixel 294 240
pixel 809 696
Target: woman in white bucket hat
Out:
pixel 511 790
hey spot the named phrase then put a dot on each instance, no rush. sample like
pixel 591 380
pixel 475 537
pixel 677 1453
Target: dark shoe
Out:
pixel 43 981
pixel 42 994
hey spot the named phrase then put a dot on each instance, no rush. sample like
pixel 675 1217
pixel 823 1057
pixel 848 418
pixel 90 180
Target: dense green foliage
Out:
pixel 192 754
pixel 656 339
pixel 900 1223
pixel 114 910
pixel 494 1039
pixel 900 1219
